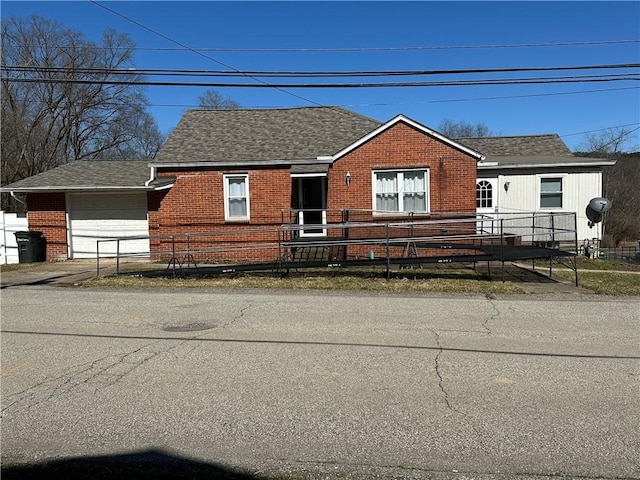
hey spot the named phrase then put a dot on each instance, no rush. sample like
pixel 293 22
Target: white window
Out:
pixel 484 194
pixel 401 191
pixel 551 192
pixel 236 197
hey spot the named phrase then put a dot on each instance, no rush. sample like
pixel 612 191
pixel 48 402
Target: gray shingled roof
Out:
pixel 531 145
pixel 89 175
pixel 531 151
pixel 262 136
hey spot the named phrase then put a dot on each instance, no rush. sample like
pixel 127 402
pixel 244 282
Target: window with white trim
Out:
pixel 551 192
pixel 401 191
pixel 484 194
pixel 236 197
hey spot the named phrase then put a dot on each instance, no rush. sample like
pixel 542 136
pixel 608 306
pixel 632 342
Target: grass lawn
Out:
pixel 408 281
pixel 604 282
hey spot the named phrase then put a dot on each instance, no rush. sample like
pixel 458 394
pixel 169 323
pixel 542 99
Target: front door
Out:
pixel 312 205
pixel 486 204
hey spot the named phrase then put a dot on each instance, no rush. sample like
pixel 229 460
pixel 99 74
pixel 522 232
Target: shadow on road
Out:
pixel 149 464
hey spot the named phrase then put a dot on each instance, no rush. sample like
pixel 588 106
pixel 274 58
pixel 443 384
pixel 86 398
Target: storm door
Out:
pixel 312 199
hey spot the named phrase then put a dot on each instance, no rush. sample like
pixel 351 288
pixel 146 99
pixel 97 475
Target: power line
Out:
pixel 302 74
pixel 458 83
pixel 197 52
pixel 365 49
pixel 503 97
pixel 606 128
pixel 383 104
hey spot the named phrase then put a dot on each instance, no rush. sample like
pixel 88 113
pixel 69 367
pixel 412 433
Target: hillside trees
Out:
pixel 211 99
pixel 620 182
pixel 48 121
pixel 464 129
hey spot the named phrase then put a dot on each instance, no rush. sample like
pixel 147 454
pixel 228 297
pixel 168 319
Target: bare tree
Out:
pixel 47 120
pixel 620 182
pixel 464 129
pixel 610 141
pixel 213 100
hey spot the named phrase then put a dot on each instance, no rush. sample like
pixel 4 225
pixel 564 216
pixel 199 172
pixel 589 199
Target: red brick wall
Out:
pixel 195 204
pixel 452 174
pixel 196 201
pixel 47 214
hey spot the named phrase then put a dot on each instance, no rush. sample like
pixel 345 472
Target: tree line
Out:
pixel 45 125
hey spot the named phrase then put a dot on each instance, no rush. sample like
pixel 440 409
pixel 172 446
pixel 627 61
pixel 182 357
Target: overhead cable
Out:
pixel 520 81
pixel 302 74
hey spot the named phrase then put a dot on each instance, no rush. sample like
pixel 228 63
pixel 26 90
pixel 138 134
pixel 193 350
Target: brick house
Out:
pixel 242 169
pixel 241 174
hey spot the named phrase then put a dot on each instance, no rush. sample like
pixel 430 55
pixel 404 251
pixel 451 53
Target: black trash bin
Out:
pixel 32 247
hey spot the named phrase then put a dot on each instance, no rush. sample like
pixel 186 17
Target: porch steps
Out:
pixel 323 253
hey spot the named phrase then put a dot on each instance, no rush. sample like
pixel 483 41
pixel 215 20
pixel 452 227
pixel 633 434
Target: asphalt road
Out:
pixel 326 383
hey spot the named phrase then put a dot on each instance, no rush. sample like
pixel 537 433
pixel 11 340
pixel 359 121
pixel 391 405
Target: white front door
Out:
pixel 486 203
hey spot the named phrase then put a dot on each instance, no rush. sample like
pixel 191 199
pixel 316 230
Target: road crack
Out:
pixel 493 316
pixel 445 392
pixel 91 376
pixel 439 373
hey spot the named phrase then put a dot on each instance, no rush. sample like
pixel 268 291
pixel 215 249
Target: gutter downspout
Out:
pixel 13 195
pixel 152 177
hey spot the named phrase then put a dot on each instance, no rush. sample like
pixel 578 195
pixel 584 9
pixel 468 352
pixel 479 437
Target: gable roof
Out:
pixel 427 131
pixel 87 175
pixel 269 136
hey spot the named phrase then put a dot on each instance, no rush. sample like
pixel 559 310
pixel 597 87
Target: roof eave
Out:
pixel 62 189
pixel 497 166
pixel 242 163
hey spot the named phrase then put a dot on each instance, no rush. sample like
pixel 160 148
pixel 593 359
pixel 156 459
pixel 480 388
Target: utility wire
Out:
pixel 385 104
pixel 606 128
pixel 200 53
pixel 366 49
pixel 520 81
pixel 302 74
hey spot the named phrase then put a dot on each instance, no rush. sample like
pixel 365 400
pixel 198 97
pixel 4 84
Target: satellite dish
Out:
pixel 596 209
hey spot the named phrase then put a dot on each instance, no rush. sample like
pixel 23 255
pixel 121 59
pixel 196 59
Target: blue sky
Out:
pixel 382 33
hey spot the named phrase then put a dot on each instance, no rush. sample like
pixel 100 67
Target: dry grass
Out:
pixel 585 263
pixel 421 281
pixel 605 283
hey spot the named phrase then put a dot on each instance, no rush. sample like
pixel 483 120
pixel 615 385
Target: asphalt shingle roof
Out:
pixel 88 174
pixel 296 136
pixel 270 135
pixel 549 145
pixel 528 151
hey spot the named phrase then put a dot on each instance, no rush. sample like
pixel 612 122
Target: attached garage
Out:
pixel 80 203
pixel 104 216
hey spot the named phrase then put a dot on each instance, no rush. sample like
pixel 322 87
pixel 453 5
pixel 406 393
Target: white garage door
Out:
pixel 95 217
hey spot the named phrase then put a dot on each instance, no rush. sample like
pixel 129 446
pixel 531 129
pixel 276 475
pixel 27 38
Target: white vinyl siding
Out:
pixel 523 195
pixel 236 197
pixel 401 191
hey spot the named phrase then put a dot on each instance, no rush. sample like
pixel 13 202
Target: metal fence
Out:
pixel 356 235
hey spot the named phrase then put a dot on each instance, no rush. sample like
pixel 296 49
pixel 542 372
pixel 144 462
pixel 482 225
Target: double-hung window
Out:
pixel 551 192
pixel 236 197
pixel 401 191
